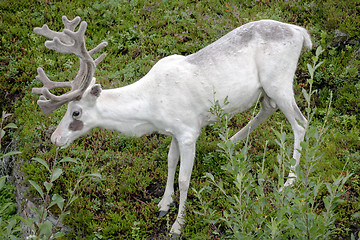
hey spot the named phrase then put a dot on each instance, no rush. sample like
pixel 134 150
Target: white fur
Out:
pixel 174 98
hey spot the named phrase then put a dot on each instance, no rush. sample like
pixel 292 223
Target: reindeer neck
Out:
pixel 125 109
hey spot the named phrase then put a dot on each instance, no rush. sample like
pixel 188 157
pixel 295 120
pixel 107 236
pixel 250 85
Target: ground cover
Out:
pixel 123 203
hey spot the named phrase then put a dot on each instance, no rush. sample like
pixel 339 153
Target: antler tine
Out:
pixel 100 58
pixel 77 48
pixel 71 25
pixel 77 81
pixel 47 83
pixel 96 49
pixel 46 32
pixel 48 106
pixel 49 102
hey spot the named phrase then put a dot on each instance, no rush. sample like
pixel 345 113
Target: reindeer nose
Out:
pixel 55 138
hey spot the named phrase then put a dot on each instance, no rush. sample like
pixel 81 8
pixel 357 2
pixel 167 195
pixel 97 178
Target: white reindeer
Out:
pixel 256 60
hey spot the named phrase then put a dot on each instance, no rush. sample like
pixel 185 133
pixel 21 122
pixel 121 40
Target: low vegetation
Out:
pixel 122 204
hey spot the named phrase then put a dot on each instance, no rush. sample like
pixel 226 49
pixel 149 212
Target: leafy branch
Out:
pixel 42 227
pixel 3 133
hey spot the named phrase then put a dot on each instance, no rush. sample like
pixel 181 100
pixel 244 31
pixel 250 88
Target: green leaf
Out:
pixel 74 198
pixel 59 235
pixel 10 125
pixel 2 133
pixel 2 181
pixel 306 95
pixel 310 81
pixel 71 191
pixel 210 176
pixel 319 51
pixel 277 133
pixel 340 201
pixel 10 154
pixel 3 208
pixel 45 228
pixel 319 64
pixel 48 186
pixel 38 188
pixel 345 179
pixel 98 175
pixel 56 174
pixel 316 189
pixel 37 212
pixel 68 159
pixel 10 228
pixel 42 162
pixel 63 215
pixel 58 200
pixel 311 70
pixel 5 115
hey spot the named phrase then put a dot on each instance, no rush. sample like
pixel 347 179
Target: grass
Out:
pixel 123 205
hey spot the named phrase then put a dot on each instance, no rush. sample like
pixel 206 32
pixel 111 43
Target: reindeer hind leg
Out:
pixel 268 107
pixel 285 100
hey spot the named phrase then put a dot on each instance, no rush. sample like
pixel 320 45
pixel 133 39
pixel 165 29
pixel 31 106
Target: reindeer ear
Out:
pixel 92 93
pixel 95 90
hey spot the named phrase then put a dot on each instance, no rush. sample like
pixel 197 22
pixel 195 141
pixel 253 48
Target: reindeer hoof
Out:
pixel 162 213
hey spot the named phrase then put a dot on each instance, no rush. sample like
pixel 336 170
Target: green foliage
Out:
pixel 3 127
pixel 41 226
pixel 9 227
pixel 133 170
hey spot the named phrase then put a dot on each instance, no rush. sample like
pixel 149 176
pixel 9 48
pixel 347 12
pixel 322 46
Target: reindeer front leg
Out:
pixel 173 159
pixel 187 156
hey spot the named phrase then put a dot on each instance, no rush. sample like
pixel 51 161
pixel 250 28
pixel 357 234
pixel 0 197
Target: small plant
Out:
pixel 41 226
pixel 9 227
pixel 135 231
pixel 4 156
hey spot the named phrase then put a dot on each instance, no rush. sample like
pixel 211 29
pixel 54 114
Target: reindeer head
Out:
pixel 83 91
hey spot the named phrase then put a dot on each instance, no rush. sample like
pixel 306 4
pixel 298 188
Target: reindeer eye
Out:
pixel 75 114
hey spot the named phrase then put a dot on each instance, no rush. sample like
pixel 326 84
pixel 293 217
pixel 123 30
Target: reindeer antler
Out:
pixel 73 42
